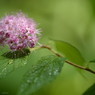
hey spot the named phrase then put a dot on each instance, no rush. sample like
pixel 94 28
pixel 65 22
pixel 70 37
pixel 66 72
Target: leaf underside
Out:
pixel 12 60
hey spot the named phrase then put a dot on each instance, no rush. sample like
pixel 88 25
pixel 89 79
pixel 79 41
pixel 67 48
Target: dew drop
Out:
pixel 28 81
pixel 55 72
pixel 50 73
pixel 24 62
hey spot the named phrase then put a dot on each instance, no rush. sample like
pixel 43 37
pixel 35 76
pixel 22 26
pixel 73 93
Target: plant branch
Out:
pixel 45 46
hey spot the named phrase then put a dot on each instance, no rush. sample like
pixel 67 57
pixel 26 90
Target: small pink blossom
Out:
pixel 18 31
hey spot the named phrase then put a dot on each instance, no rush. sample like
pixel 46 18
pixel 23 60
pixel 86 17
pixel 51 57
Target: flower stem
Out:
pixel 88 65
pixel 45 46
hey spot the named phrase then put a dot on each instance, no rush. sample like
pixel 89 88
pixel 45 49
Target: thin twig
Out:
pixel 45 46
pixel 87 69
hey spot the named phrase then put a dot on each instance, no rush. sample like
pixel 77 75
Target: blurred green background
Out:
pixel 72 21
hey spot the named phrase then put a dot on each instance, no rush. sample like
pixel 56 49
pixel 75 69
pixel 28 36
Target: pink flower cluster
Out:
pixel 18 31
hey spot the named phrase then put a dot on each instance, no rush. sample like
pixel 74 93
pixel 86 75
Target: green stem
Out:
pixel 88 65
pixel 33 49
pixel 45 46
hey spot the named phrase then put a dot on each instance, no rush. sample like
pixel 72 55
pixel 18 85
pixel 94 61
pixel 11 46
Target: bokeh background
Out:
pixel 72 21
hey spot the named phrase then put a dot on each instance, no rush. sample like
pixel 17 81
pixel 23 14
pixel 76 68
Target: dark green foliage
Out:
pixel 45 70
pixel 92 2
pixel 16 54
pixel 12 60
pixel 93 61
pixel 90 91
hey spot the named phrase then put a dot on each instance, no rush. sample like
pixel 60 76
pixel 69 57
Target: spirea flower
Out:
pixel 18 31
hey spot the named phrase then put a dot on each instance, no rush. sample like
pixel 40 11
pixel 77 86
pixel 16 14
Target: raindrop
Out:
pixel 24 62
pixel 50 73
pixel 28 81
pixel 55 72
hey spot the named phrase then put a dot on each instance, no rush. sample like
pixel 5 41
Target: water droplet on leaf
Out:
pixel 50 73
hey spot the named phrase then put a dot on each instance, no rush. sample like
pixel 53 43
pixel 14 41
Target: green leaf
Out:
pixel 92 2
pixel 44 71
pixel 90 91
pixel 70 52
pixel 92 61
pixel 12 60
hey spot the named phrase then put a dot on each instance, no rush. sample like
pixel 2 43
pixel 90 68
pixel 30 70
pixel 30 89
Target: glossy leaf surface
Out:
pixel 45 70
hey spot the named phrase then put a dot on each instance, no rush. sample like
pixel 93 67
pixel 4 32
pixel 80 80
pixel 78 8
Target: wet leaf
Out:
pixel 44 71
pixel 12 60
pixel 72 54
